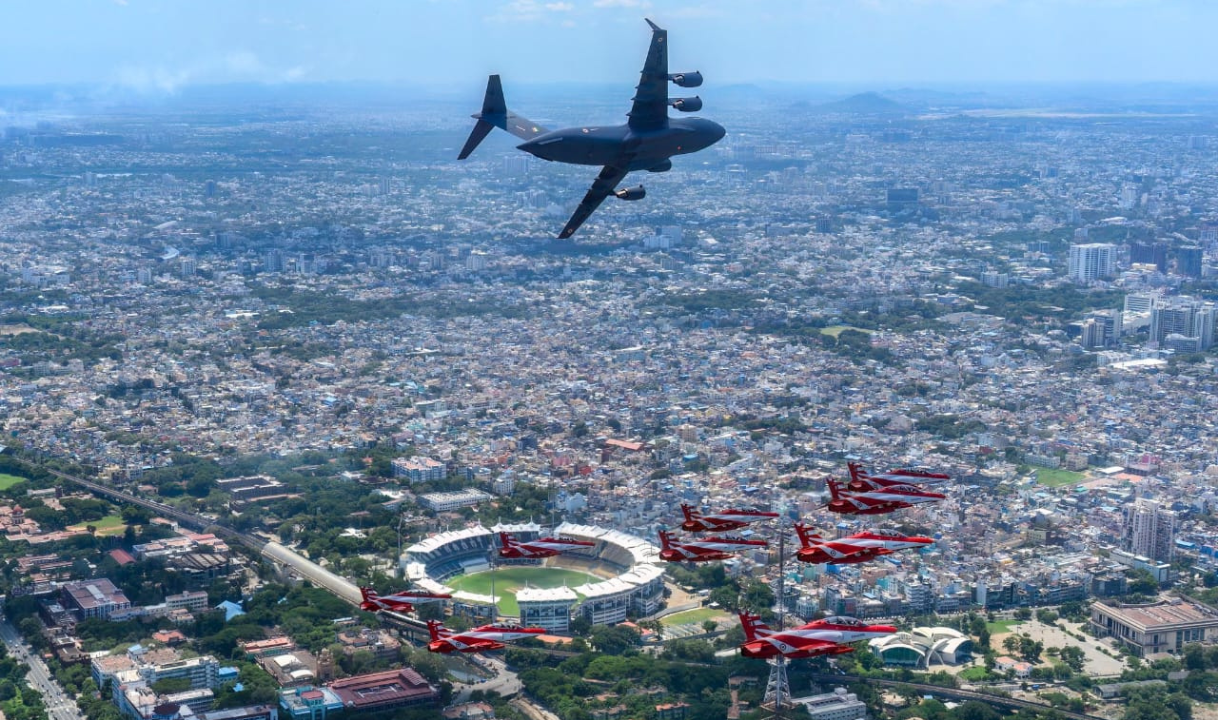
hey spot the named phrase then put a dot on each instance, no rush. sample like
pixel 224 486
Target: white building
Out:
pixel 1150 530
pixel 445 501
pixel 548 608
pixel 1092 261
pixel 837 705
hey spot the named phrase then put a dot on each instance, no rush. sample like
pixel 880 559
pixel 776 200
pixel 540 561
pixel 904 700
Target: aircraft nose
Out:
pixel 717 131
pixel 889 629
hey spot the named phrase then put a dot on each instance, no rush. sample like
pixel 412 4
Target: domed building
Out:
pixel 923 647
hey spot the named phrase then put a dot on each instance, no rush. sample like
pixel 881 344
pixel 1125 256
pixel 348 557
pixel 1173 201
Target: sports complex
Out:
pixel 620 575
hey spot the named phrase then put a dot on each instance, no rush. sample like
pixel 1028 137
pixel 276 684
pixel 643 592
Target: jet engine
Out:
pixel 661 167
pixel 634 193
pixel 693 104
pixel 686 79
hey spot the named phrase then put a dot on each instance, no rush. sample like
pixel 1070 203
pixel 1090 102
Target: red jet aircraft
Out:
pixel 510 547
pixel 819 637
pixel 878 501
pixel 860 481
pixel 704 550
pixel 480 639
pixel 399 602
pixel 730 519
pixel 859 547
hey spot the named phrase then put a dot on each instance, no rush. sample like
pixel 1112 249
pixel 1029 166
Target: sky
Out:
pixel 163 46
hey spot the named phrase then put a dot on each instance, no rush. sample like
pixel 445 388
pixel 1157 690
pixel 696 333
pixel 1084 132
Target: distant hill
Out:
pixel 867 103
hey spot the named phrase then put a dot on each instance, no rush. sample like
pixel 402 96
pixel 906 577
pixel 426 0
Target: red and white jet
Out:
pixel 860 481
pixel 819 637
pixel 730 519
pixel 510 547
pixel 878 501
pixel 859 547
pixel 705 549
pixel 399 602
pixel 480 639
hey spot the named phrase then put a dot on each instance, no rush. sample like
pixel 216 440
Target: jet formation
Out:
pixel 864 494
pixel 647 141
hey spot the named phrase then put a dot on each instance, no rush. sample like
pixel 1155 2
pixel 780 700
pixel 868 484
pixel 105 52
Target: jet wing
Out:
pixel 788 645
pixel 650 109
pixel 602 188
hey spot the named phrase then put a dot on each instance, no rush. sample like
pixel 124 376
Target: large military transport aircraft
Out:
pixel 646 142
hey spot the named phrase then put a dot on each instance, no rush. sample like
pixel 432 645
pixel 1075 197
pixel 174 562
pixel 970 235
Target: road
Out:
pixel 59 705
pixel 505 683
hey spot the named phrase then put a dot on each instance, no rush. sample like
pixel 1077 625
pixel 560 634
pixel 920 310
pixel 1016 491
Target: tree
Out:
pixel 1074 657
pixel 1141 582
pixel 614 640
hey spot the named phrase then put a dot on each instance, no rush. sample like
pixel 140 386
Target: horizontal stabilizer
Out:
pixel 495 114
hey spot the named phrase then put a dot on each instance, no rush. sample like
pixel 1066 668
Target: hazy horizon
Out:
pixel 155 48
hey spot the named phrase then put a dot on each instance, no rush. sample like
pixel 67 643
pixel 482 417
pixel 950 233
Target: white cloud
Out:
pixel 560 6
pixel 235 66
pixel 621 3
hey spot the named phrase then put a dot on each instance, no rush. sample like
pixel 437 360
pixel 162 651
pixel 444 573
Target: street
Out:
pixel 59 705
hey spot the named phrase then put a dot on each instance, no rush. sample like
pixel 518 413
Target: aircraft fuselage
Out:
pixel 605 145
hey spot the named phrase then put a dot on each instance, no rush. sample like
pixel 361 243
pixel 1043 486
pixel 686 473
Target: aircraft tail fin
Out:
pixel 505 540
pixel 856 471
pixel 687 511
pixel 753 627
pixel 834 489
pixel 367 594
pixel 665 540
pixel 437 630
pixel 807 537
pixel 496 115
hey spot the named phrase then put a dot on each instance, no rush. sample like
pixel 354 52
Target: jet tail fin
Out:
pixel 665 540
pixel 807 537
pixel 753 627
pixel 505 540
pixel 496 115
pixel 687 511
pixel 367 593
pixel 436 629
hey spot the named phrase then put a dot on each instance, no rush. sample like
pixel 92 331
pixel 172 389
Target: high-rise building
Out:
pixel 1183 316
pixel 1189 260
pixel 1149 253
pixel 1092 261
pixel 1150 530
pixel 273 261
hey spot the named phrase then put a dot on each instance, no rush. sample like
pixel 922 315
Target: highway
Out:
pixel 59 705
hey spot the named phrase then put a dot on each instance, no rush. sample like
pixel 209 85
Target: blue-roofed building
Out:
pixel 231 609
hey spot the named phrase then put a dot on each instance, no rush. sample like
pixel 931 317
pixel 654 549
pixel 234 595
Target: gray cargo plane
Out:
pixel 646 142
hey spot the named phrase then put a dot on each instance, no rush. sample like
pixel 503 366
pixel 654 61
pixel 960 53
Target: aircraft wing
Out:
pixel 602 188
pixel 650 109
pixel 789 645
